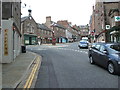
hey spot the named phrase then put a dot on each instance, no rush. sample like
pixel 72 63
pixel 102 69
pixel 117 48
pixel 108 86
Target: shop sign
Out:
pixel 6 42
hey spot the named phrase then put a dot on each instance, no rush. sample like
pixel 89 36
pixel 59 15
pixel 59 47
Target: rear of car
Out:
pixel 83 44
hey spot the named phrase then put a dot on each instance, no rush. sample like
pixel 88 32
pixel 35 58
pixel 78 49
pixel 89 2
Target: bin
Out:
pixel 23 49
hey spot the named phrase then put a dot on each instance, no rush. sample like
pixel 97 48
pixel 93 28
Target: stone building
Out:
pixel 68 26
pixel 76 33
pixel 44 34
pixel 11 31
pixel 84 30
pixel 58 30
pixel 101 19
pixel 114 17
pixel 29 30
pixel 92 26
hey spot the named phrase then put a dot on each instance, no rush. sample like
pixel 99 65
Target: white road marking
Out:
pixel 72 50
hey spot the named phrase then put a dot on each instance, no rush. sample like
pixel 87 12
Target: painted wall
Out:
pixel 7 25
pixel 11 45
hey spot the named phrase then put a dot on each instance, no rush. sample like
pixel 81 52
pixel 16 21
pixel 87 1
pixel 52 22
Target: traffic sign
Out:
pixel 107 26
pixel 117 18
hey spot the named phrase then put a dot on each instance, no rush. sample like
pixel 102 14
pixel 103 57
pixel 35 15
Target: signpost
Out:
pixel 117 18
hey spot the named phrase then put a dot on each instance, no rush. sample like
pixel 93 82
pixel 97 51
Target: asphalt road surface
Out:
pixel 67 66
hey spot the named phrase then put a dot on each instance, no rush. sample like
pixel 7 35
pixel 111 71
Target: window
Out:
pixel 93 45
pixel 115 47
pixel 97 46
pixel 102 48
pixel 28 28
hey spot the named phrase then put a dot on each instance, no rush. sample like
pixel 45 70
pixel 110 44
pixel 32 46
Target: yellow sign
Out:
pixel 6 42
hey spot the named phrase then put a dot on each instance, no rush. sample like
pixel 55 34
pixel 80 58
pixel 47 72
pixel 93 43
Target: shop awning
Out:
pixel 115 28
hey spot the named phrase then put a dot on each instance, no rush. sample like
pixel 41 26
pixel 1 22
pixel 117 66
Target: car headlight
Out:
pixel 118 62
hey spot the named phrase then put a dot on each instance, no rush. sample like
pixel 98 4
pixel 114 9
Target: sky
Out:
pixel 76 11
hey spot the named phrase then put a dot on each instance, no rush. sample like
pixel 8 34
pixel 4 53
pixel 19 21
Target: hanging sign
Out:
pixel 6 42
pixel 117 18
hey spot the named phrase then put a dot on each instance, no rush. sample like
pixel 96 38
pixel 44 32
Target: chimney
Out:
pixel 48 21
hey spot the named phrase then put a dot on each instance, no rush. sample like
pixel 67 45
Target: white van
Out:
pixel 85 38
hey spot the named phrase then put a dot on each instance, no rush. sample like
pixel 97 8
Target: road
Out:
pixel 67 66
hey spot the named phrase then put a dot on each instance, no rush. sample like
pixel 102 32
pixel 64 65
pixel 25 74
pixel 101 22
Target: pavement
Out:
pixel 13 74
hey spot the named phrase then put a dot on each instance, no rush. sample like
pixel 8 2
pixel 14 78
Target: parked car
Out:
pixel 83 44
pixel 106 55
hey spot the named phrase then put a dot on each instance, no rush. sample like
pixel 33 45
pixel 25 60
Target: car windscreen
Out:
pixel 83 42
pixel 115 48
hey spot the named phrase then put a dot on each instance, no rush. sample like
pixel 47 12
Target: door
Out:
pixel 103 55
pixel 30 40
pixel 96 53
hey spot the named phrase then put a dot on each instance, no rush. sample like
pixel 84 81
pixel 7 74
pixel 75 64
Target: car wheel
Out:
pixel 111 68
pixel 91 60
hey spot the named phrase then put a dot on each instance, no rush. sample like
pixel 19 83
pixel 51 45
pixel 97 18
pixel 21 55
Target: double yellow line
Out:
pixel 32 74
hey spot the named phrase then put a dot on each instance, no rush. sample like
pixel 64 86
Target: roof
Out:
pixel 58 25
pixel 43 27
pixel 24 18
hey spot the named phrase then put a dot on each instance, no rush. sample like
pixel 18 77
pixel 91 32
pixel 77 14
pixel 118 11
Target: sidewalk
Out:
pixel 14 73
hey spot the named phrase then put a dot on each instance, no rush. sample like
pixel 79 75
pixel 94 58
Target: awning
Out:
pixel 115 28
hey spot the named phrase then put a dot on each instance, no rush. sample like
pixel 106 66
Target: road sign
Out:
pixel 107 26
pixel 117 18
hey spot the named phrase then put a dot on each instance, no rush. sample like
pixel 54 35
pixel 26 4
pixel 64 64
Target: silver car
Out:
pixel 83 44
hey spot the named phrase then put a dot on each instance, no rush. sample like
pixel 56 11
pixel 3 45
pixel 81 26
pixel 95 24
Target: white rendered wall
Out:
pixel 7 24
pixel 17 45
pixel 14 43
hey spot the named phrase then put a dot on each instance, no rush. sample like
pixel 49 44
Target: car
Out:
pixel 83 44
pixel 106 55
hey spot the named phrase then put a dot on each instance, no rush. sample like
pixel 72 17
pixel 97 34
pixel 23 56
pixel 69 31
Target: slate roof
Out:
pixel 24 18
pixel 43 27
pixel 58 25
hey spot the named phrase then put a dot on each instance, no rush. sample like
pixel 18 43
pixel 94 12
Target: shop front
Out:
pixel 30 39
pixel 114 34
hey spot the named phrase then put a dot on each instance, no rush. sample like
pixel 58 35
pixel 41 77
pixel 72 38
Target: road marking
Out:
pixel 73 50
pixel 41 49
pixel 32 74
pixel 57 46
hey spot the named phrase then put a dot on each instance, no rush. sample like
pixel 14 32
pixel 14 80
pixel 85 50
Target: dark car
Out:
pixel 106 55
